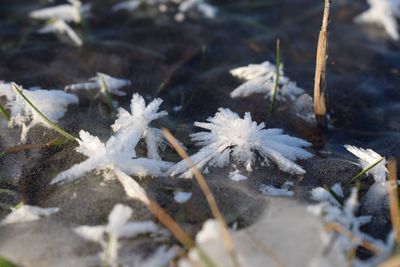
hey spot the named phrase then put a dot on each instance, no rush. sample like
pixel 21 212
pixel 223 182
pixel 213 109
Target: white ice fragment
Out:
pixel 118 227
pixel 368 157
pixel 61 29
pixel 182 197
pixel 237 176
pixel 52 103
pixel 103 83
pixel 260 78
pixel 285 191
pixel 232 138
pixel 383 13
pixel 27 213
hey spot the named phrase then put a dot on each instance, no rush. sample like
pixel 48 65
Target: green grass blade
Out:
pixel 335 196
pixel 4 112
pixel 360 174
pixel 278 65
pixel 6 263
pixel 48 121
pixel 104 88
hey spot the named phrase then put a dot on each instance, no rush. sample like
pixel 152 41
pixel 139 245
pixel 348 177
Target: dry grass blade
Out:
pixel 394 199
pixel 363 243
pixel 320 69
pixel 227 239
pixel 135 191
pixel 392 262
pixel 267 250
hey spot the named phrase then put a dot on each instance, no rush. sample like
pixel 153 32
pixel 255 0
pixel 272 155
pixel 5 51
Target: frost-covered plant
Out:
pixel 232 138
pixel 62 30
pixel 27 213
pixel 118 227
pixel 384 13
pixel 368 158
pixel 102 83
pixel 52 104
pixel 180 8
pixel 118 153
pixel 57 18
pixel 260 78
pixel 345 217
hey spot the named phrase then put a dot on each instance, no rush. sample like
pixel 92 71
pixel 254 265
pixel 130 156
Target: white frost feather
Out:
pixel 260 78
pixel 368 157
pixel 114 154
pixel 117 227
pixel 71 12
pixel 118 153
pixel 103 83
pixel 61 28
pixel 27 213
pixel 52 103
pixel 232 138
pixel 182 7
pixel 383 13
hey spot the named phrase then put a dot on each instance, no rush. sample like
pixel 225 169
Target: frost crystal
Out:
pixel 103 83
pixel 71 12
pixel 118 153
pixel 118 227
pixel 368 157
pixel 52 103
pixel 182 197
pixel 383 13
pixel 58 16
pixel 27 213
pixel 61 29
pixel 285 191
pixel 115 154
pixel 179 7
pixel 135 125
pixel 260 78
pixel 242 139
pixel 346 218
pixel 237 176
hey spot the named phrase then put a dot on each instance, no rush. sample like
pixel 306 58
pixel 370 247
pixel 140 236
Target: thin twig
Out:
pixel 266 249
pixel 392 262
pixel 320 69
pixel 394 199
pixel 227 239
pixel 363 243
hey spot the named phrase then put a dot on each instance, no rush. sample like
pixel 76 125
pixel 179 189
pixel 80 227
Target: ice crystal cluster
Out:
pixel 368 157
pixel 58 17
pixel 285 191
pixel 118 227
pixel 333 213
pixel 261 78
pixel 232 138
pixel 118 153
pixel 383 13
pixel 53 104
pixel 180 8
pixel 27 213
pixel 102 83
